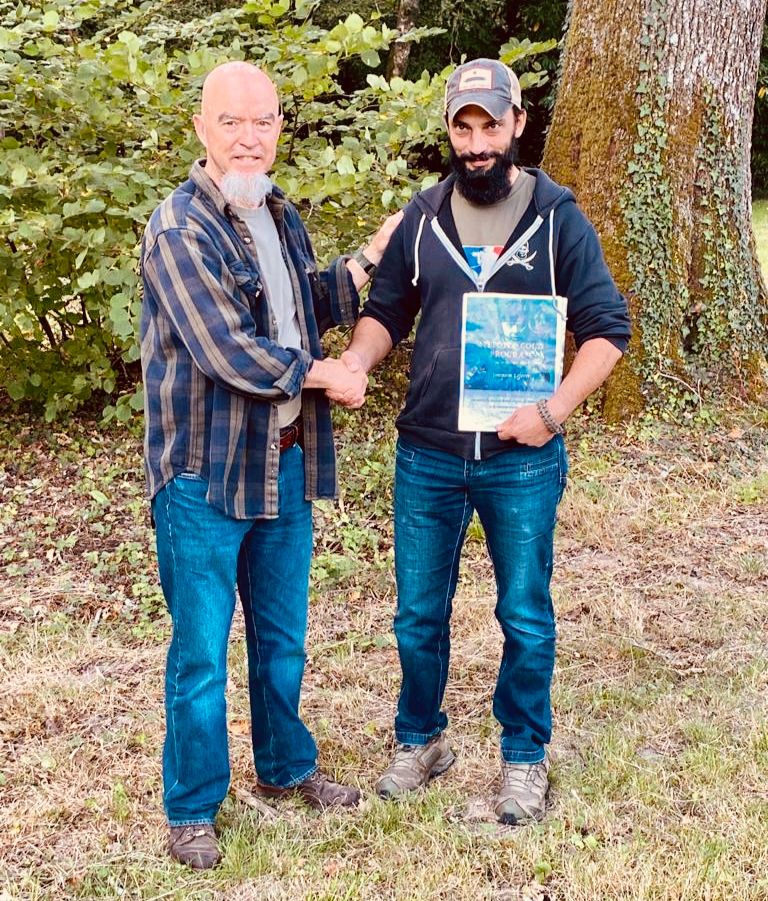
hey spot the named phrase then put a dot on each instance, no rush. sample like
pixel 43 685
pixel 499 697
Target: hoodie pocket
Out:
pixel 434 398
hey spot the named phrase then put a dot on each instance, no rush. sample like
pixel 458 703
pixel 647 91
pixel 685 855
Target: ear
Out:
pixel 520 121
pixel 199 124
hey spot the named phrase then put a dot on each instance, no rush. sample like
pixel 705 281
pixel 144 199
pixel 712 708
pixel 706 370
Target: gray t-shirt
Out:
pixel 279 291
pixel 484 230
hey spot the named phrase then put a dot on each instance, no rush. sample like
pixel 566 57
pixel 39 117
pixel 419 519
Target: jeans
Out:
pixel 516 494
pixel 201 553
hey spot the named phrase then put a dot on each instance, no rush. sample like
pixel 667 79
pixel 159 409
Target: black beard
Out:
pixel 484 187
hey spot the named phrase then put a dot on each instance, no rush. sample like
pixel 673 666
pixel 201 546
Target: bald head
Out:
pixel 239 120
pixel 229 78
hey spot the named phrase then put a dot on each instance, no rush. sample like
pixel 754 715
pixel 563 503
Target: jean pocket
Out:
pixel 405 451
pixel 190 477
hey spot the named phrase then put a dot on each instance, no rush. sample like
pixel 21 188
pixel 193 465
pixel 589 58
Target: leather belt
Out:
pixel 291 435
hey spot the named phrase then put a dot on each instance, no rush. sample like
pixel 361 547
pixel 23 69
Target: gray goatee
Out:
pixel 247 191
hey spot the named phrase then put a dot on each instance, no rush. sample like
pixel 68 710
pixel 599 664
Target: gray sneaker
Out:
pixel 415 765
pixel 523 793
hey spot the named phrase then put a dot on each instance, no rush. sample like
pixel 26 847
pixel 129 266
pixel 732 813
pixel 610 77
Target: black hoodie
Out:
pixel 553 250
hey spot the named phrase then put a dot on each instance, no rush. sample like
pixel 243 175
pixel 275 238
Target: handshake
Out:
pixel 344 380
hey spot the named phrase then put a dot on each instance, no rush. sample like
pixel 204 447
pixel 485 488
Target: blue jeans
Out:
pixel 516 494
pixel 201 553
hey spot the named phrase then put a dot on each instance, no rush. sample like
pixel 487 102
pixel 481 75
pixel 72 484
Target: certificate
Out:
pixel 511 354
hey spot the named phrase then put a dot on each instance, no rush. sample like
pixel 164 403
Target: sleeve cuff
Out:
pixel 291 381
pixel 345 301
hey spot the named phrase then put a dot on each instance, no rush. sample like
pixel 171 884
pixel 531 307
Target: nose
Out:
pixel 477 142
pixel 249 135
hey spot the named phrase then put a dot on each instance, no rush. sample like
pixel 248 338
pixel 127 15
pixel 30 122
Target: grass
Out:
pixel 661 744
pixel 760 225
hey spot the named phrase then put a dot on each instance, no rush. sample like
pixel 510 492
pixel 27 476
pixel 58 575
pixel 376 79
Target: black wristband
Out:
pixel 364 263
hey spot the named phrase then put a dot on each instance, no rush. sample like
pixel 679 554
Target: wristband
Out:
pixel 364 263
pixel 553 426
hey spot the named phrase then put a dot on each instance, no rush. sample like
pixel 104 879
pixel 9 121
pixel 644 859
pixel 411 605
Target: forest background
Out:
pixel 660 586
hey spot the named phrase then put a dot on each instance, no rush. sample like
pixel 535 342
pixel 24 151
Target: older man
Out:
pixel 238 442
pixel 490 226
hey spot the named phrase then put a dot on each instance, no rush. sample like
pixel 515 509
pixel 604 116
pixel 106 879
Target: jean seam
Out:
pixel 448 593
pixel 299 779
pixel 178 649
pixel 258 661
pixel 416 738
pixel 200 822
pixel 530 757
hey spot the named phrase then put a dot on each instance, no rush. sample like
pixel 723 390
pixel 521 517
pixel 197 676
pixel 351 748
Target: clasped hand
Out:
pixel 349 381
pixel 525 426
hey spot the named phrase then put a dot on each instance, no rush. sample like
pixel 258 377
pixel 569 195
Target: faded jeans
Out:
pixel 201 553
pixel 516 494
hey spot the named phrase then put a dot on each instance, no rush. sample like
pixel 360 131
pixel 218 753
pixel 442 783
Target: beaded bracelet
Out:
pixel 557 428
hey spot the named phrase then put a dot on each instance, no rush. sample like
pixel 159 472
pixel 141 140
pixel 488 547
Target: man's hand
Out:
pixel 338 381
pixel 352 361
pixel 378 244
pixel 354 366
pixel 349 386
pixel 343 385
pixel 374 250
pixel 590 368
pixel 526 426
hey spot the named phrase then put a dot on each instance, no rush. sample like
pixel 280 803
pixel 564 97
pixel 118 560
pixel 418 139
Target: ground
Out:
pixel 660 692
pixel 661 736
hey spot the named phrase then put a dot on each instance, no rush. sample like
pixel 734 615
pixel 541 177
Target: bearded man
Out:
pixel 490 226
pixel 238 443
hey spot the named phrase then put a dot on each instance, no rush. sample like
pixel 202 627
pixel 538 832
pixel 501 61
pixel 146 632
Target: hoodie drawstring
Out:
pixel 415 278
pixel 551 252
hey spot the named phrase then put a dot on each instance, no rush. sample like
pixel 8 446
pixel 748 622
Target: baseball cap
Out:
pixel 487 83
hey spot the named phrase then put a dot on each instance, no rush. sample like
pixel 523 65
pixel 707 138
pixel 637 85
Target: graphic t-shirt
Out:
pixel 485 230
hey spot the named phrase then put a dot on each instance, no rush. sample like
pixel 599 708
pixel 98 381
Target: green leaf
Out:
pixel 354 23
pixel 19 175
pixel 50 20
pixel 88 280
pixel 16 390
pixel 370 58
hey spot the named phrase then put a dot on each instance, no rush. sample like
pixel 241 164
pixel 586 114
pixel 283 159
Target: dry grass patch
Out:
pixel 661 743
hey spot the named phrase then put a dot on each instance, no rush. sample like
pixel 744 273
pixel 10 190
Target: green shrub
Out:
pixel 95 127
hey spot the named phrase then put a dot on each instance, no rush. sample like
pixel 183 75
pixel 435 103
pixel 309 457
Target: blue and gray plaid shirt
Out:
pixel 213 370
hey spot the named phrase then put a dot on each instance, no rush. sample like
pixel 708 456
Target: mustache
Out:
pixel 480 157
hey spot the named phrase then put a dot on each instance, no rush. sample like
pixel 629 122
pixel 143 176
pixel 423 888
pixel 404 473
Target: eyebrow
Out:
pixel 457 120
pixel 224 116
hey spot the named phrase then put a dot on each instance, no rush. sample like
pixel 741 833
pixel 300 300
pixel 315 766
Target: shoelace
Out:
pixel 192 832
pixel 403 752
pixel 532 775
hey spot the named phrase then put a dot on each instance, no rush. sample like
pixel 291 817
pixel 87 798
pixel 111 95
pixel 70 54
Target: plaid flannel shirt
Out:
pixel 213 370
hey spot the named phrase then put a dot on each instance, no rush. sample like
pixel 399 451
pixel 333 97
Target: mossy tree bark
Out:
pixel 652 130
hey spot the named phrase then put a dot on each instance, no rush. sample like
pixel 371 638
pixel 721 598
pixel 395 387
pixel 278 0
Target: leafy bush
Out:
pixel 95 126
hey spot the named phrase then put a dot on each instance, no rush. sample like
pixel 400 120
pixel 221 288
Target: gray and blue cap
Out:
pixel 486 83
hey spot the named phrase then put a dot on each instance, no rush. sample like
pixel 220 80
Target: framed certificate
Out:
pixel 511 354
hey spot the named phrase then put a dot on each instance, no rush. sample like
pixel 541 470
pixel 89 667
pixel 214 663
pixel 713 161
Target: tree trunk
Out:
pixel 652 130
pixel 407 14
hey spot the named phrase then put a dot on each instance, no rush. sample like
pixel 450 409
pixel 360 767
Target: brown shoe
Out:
pixel 316 790
pixel 414 766
pixel 196 846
